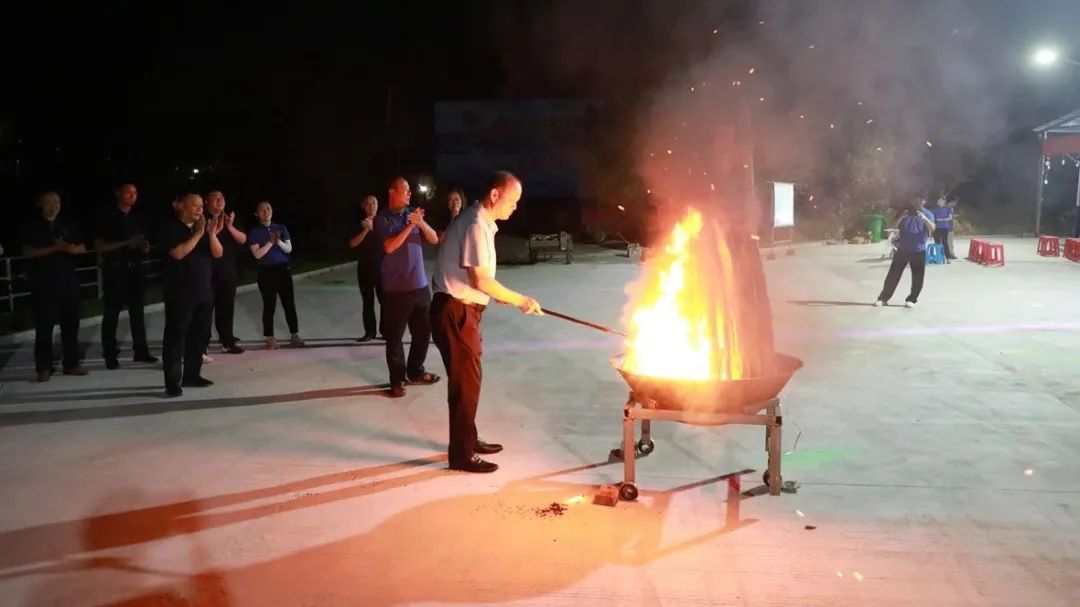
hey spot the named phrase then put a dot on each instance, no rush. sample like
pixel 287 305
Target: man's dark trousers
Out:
pixel 455 327
pixel 187 329
pixel 402 309
pixel 123 286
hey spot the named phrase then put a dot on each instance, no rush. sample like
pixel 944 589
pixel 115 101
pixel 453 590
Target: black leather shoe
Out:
pixel 487 448
pixel 112 364
pixel 366 338
pixel 145 358
pixel 396 391
pixel 474 464
pixel 424 379
pixel 173 391
pixel 232 349
pixel 198 382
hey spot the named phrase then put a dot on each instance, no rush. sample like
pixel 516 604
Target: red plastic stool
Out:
pixel 1048 246
pixel 995 255
pixel 976 250
pixel 1072 249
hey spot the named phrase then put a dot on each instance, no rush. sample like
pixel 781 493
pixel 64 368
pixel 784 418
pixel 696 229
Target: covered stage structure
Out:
pixel 1060 137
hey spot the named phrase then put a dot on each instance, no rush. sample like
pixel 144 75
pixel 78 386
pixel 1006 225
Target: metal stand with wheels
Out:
pixel 766 414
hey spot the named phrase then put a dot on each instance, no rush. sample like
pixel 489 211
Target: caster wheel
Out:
pixel 645 447
pixel 628 492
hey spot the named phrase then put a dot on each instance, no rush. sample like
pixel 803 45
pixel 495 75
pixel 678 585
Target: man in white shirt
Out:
pixel 464 283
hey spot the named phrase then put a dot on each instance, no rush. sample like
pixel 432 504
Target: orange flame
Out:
pixel 679 325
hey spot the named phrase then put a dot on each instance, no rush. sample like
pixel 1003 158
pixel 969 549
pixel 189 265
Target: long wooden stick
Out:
pixel 583 323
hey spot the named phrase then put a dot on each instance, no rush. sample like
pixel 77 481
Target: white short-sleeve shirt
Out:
pixel 469 242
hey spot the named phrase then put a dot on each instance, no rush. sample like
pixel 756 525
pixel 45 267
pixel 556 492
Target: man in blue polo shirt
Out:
pixel 914 227
pixel 943 222
pixel 406 297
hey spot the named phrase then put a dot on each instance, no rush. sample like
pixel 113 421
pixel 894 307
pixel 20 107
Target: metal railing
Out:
pixel 14 275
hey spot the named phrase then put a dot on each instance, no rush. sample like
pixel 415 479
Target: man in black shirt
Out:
pixel 122 246
pixel 225 272
pixel 190 244
pixel 368 255
pixel 52 244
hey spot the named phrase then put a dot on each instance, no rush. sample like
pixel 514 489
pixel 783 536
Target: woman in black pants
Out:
pixel 271 245
pixel 369 253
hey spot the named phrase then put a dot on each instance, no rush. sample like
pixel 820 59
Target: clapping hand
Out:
pixel 416 217
pixel 275 237
pixel 217 225
pixel 367 224
pixel 230 218
pixel 138 242
pixel 200 225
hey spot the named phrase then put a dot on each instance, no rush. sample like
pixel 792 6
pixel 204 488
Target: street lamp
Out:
pixel 1048 56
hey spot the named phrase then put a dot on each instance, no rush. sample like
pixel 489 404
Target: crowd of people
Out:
pixel 200 247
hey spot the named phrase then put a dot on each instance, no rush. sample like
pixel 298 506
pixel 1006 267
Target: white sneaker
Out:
pixel 909 304
pixel 878 303
pixel 206 359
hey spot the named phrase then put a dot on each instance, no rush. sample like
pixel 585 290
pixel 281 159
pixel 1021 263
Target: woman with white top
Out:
pixel 272 247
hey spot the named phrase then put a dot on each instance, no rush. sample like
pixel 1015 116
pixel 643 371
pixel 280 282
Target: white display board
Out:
pixel 783 205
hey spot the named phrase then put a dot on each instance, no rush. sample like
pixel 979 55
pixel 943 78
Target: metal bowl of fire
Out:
pixel 700 344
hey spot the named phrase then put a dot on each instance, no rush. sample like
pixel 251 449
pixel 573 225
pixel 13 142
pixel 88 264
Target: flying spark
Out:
pixel 800 513
pixel 811 198
pixel 669 152
pixel 1029 472
pixel 928 144
pixel 832 126
pixel 761 99
pixel 716 31
pixel 712 186
pixel 870 121
pixel 879 149
pixel 751 71
pixel 839 574
pixel 620 207
pixel 858 576
pixel 802 115
pixel 811 47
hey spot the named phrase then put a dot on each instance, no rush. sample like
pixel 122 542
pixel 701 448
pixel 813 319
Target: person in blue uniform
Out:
pixel 402 231
pixel 271 245
pixel 914 228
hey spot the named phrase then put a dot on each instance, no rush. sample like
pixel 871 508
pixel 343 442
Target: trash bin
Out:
pixel 874 223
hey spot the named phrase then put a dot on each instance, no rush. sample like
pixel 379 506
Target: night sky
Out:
pixel 313 105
